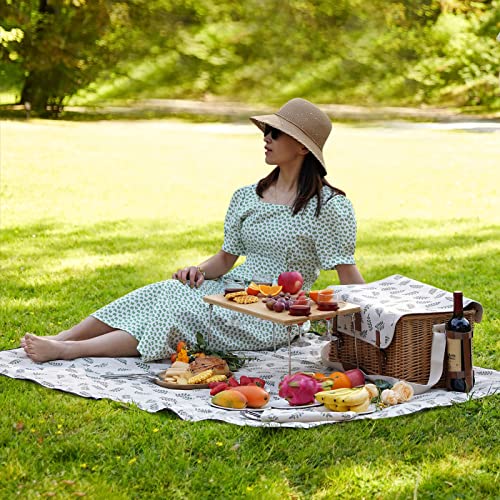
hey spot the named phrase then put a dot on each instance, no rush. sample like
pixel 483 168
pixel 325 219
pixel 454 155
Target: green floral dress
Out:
pixel 272 240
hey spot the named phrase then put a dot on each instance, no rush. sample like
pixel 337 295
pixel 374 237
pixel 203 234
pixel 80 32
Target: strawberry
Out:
pixel 233 382
pixel 244 380
pixel 258 381
pixel 216 387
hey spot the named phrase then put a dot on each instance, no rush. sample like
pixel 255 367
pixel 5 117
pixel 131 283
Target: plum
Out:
pixel 270 304
pixel 279 306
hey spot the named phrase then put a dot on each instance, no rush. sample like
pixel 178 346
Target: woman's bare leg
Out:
pixel 89 328
pixel 111 344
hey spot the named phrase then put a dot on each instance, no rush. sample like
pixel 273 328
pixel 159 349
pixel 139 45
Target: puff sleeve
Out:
pixel 335 233
pixel 233 243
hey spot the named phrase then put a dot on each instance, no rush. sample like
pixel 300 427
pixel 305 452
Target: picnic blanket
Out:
pixel 385 301
pixel 87 377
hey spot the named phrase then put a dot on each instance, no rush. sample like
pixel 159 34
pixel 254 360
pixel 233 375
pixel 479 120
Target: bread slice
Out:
pixel 218 365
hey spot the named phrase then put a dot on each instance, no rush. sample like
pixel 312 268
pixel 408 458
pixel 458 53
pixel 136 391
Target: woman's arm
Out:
pixel 212 268
pixel 349 274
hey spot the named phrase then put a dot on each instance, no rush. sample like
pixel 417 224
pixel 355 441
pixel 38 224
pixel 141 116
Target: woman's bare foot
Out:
pixel 64 335
pixel 41 349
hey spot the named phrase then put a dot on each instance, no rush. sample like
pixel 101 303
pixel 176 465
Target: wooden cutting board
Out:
pixel 260 310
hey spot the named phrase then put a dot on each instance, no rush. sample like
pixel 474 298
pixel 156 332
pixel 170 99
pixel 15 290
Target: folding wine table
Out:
pixel 259 310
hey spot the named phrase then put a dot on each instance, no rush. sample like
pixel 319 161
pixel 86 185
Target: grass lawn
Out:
pixel 90 211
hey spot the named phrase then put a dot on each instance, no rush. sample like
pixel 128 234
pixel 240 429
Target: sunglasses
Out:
pixel 275 133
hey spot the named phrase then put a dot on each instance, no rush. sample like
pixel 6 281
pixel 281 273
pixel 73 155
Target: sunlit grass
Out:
pixel 90 211
pixel 89 172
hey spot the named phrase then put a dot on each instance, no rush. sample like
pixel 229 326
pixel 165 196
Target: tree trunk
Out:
pixel 36 92
pixel 35 88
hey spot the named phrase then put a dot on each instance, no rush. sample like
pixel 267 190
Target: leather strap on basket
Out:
pixel 335 329
pixel 357 321
pixel 379 352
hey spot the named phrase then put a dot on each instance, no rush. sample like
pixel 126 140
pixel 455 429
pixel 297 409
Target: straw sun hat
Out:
pixel 303 121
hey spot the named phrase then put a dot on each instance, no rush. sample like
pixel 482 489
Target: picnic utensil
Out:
pixel 283 416
pixel 129 375
pixel 252 415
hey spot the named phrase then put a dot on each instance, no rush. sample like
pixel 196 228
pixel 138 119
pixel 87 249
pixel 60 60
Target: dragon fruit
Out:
pixel 299 389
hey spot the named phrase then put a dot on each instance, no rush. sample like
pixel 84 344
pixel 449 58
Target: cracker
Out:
pixel 246 299
pixel 232 295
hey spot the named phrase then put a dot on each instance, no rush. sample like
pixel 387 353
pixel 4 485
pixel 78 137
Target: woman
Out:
pixel 293 219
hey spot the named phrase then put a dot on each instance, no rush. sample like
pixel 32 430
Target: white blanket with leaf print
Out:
pixel 85 377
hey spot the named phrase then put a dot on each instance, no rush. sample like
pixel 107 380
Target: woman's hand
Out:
pixel 193 274
pixel 212 268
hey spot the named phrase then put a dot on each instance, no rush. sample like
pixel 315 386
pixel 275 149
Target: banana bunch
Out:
pixel 357 399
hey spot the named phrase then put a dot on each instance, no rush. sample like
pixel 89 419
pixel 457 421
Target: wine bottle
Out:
pixel 460 376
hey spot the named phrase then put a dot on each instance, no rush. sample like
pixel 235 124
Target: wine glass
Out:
pixel 326 300
pixel 262 279
pixel 233 284
pixel 301 307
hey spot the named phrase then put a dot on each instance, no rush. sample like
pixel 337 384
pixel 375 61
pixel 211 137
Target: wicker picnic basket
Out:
pixel 408 356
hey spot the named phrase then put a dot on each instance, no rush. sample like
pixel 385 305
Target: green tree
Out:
pixel 62 45
pixel 57 53
pixel 383 51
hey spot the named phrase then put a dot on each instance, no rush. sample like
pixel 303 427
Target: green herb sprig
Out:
pixel 234 362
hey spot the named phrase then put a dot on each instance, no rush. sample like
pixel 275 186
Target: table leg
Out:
pixel 274 337
pixel 328 329
pixel 209 336
pixel 289 332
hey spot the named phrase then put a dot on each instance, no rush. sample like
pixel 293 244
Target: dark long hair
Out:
pixel 309 185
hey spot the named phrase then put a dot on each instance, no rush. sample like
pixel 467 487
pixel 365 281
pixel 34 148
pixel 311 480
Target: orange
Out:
pixel 340 380
pixel 253 289
pixel 313 295
pixel 270 290
pixel 319 376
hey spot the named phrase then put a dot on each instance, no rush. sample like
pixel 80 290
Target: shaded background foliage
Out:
pixel 349 51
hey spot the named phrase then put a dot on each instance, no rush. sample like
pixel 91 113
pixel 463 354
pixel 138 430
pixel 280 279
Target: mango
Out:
pixel 256 396
pixel 230 399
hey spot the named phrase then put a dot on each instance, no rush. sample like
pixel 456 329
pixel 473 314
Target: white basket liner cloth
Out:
pixel 384 302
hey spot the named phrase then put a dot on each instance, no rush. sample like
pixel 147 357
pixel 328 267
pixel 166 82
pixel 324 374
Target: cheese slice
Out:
pixel 180 364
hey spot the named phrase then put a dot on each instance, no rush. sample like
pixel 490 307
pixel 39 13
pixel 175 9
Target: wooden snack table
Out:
pixel 259 310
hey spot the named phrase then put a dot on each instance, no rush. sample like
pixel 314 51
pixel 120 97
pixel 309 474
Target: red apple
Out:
pixel 291 281
pixel 356 376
